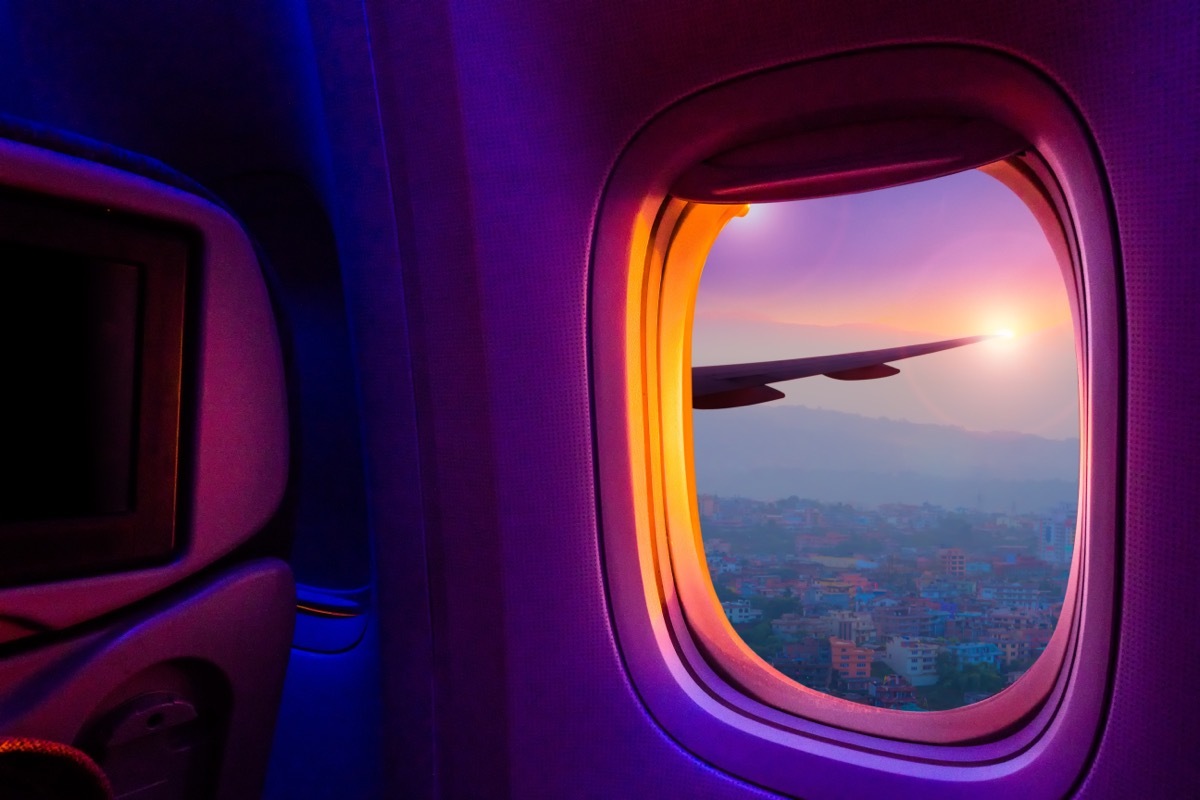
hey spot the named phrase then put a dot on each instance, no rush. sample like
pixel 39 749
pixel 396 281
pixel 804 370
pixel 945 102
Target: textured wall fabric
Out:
pixel 545 96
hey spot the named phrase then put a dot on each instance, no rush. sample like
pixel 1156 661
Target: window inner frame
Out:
pixel 695 699
pixel 685 244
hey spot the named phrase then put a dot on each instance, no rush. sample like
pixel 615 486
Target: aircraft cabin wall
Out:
pixel 508 120
pixel 447 163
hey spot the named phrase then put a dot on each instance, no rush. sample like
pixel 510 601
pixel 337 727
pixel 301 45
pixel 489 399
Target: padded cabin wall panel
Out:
pixel 536 171
pixel 433 206
pixel 1148 129
pixel 359 196
pixel 536 168
pixel 550 94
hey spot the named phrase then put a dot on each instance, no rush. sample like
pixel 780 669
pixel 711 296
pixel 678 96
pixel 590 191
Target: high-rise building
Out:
pixel 953 562
pixel 1058 541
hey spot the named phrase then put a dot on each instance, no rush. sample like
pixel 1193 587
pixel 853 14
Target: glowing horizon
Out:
pixel 958 256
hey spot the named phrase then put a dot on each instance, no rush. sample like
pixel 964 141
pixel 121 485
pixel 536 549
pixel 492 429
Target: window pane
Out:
pixel 902 541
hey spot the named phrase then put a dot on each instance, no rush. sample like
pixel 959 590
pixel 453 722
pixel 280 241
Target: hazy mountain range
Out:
pixel 770 452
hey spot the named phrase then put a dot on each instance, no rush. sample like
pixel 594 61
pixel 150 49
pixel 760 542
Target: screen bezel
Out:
pixel 41 550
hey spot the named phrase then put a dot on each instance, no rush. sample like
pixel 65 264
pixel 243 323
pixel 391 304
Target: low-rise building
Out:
pixel 975 653
pixel 906 619
pixel 740 611
pixel 794 626
pixel 1014 595
pixel 806 661
pixel 914 659
pixel 849 660
pixel 854 626
pixel 894 691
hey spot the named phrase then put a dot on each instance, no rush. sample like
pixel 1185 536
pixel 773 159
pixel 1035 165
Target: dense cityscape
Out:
pixel 901 606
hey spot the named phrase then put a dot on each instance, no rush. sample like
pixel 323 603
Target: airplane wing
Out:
pixel 734 385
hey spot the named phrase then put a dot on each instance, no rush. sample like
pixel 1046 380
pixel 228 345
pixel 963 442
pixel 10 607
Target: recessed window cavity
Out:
pixel 900 540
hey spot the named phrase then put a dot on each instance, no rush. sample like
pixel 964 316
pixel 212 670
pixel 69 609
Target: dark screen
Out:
pixel 68 395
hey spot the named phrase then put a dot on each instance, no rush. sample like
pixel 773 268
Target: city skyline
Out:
pixel 906 606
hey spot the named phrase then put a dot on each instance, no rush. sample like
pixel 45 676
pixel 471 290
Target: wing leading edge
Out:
pixel 734 385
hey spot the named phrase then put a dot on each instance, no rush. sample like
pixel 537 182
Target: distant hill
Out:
pixel 769 452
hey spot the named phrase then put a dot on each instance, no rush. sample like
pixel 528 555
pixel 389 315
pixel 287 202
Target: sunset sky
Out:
pixel 951 257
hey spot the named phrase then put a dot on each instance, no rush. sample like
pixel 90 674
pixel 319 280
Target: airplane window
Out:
pixel 898 529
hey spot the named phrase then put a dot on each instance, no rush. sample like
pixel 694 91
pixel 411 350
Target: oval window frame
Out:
pixel 714 706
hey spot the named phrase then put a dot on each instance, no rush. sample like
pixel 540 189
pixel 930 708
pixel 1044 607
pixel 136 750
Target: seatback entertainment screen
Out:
pixel 92 331
pixel 69 346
